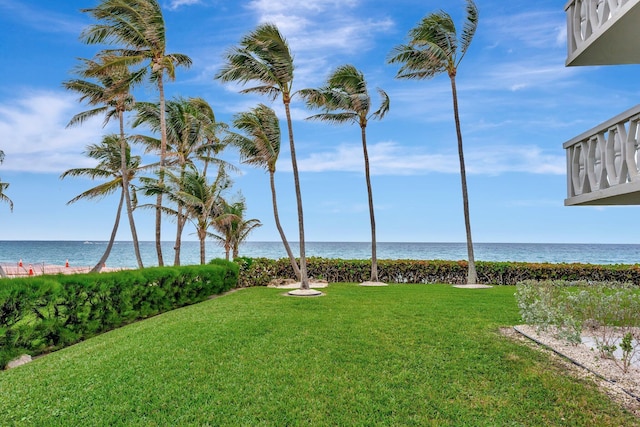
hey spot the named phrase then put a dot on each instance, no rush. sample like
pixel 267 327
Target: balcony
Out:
pixel 603 32
pixel 602 163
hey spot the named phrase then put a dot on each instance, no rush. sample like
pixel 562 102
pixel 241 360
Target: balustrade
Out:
pixel 601 161
pixel 584 17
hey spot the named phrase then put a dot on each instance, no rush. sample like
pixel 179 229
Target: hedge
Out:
pixel 45 313
pixel 260 271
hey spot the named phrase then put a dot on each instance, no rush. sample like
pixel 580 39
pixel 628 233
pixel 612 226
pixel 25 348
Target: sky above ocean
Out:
pixel 518 104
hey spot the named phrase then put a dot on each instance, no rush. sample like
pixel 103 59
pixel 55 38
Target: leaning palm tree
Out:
pixel 109 167
pixel 434 48
pixel 139 28
pixel 345 99
pixel 264 58
pixel 110 94
pixel 233 229
pixel 192 134
pixel 4 186
pixel 259 145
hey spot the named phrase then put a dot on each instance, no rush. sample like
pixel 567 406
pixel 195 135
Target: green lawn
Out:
pixel 400 355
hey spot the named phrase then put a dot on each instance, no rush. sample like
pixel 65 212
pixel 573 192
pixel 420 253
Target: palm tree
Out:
pixel 232 227
pixel 434 48
pixel 202 201
pixel 259 145
pixel 345 99
pixel 138 26
pixel 109 167
pixel 264 58
pixel 4 186
pixel 111 96
pixel 192 134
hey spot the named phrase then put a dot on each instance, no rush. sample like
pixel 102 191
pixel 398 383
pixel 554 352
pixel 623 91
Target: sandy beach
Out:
pixel 22 269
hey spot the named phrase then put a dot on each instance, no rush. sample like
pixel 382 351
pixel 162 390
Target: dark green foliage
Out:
pixel 259 271
pixel 50 312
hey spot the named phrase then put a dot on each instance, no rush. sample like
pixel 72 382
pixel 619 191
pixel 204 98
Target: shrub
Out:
pixel 260 271
pixel 610 312
pixel 44 313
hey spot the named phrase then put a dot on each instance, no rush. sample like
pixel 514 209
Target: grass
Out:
pixel 401 355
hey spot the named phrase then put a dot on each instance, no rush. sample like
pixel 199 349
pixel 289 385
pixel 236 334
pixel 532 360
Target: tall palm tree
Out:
pixel 138 27
pixel 107 152
pixel 4 186
pixel 192 134
pixel 259 145
pixel 434 48
pixel 263 57
pixel 110 94
pixel 232 227
pixel 345 99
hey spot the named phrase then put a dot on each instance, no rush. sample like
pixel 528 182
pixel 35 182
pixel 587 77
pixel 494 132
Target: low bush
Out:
pixel 607 311
pixel 260 271
pixel 45 313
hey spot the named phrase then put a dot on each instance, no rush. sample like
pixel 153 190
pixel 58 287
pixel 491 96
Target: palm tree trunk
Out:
pixel 180 222
pixel 125 189
pixel 163 155
pixel 202 235
pixel 374 257
pixel 472 276
pixel 304 280
pixel 105 256
pixel 132 226
pixel 292 258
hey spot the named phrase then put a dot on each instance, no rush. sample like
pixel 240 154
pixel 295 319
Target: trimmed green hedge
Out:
pixel 259 271
pixel 44 313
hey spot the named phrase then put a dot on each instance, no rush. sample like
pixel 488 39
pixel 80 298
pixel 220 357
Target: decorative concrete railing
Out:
pixel 586 17
pixel 602 160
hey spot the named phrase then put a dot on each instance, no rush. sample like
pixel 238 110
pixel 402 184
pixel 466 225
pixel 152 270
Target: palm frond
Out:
pixel 418 63
pixel 83 116
pixel 384 106
pixel 98 191
pixel 263 56
pixel 470 27
pixel 336 118
pixel 3 197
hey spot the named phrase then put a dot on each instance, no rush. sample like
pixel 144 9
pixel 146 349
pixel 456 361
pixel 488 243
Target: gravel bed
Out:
pixel 584 361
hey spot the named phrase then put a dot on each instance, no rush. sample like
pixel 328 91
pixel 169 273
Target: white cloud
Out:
pixel 297 6
pixel 34 136
pixel 321 25
pixel 175 4
pixel 389 158
pixel 537 29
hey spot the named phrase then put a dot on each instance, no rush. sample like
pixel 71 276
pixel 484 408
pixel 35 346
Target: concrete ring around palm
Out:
pixel 304 293
pixel 473 286
pixel 369 283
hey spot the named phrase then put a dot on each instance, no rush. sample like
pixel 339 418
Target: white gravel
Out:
pixel 623 387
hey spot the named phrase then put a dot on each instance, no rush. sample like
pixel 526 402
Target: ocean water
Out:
pixel 87 253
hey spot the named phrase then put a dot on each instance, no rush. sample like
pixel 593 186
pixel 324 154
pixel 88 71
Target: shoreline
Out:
pixel 12 271
pixel 83 253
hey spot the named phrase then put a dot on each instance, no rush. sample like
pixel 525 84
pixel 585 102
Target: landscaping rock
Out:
pixel 22 360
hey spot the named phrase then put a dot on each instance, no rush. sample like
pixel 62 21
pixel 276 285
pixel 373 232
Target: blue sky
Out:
pixel 518 104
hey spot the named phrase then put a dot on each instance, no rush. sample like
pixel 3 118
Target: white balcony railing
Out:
pixel 602 163
pixel 602 32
